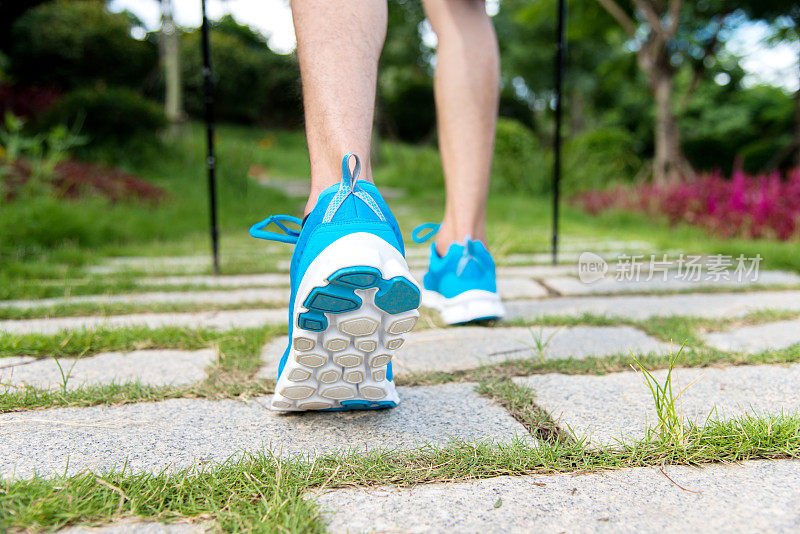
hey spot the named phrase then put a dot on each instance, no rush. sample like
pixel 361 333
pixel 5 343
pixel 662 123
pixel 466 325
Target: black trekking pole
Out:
pixel 562 13
pixel 211 161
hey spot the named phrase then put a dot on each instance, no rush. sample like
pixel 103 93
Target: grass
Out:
pixel 79 309
pixel 670 426
pixel 41 246
pixel 231 377
pixel 520 403
pixel 262 493
pixel 240 358
pixel 259 492
pixel 79 343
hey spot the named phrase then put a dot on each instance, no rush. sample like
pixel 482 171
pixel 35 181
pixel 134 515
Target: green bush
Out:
pixel 596 159
pixel 721 125
pixel 408 112
pixel 72 43
pixel 520 164
pixel 111 116
pixel 593 159
pixel 252 84
pixel 418 170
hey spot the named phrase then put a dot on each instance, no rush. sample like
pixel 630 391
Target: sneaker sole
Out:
pixel 469 306
pixel 356 302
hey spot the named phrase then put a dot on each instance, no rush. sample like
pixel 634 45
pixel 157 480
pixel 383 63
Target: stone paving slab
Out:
pixel 670 281
pixel 708 305
pixel 606 408
pixel 235 296
pixel 148 367
pixel 757 338
pixel 156 263
pixel 509 287
pixel 13 361
pixel 535 271
pixel 226 280
pixel 133 526
pixel 520 288
pixel 755 496
pixel 180 264
pixel 212 319
pixel 183 432
pixel 581 245
pixel 468 347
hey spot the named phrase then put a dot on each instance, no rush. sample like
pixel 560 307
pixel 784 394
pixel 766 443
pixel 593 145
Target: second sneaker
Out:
pixel 462 284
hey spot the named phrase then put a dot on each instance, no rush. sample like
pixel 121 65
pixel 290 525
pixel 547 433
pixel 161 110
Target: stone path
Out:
pixel 216 319
pixel 238 296
pixel 230 280
pixel 143 527
pixel 711 305
pixel 726 498
pixel 757 338
pixel 162 263
pixel 184 432
pixel 464 348
pixel 181 432
pixel 147 367
pixel 608 408
pixel 669 281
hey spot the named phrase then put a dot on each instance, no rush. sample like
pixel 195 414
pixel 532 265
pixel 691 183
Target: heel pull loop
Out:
pixel 349 186
pixel 350 177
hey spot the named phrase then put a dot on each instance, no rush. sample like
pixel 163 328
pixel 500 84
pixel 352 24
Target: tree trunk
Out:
pixel 170 58
pixel 668 163
pixel 577 113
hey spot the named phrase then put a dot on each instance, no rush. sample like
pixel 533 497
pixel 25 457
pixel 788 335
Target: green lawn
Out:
pixel 48 243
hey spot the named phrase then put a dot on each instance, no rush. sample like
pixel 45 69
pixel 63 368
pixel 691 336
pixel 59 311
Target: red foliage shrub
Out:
pixel 758 206
pixel 25 101
pixel 74 178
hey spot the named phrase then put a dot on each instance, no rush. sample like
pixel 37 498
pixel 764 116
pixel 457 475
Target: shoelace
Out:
pixel 431 229
pixel 290 235
pixel 347 187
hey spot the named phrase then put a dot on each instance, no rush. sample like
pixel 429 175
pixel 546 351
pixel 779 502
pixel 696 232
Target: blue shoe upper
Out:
pixel 465 267
pixel 351 206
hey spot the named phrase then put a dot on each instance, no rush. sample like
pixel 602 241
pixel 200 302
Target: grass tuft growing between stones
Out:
pixel 261 493
pixel 520 403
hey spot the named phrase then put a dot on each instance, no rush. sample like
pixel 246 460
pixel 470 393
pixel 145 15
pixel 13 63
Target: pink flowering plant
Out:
pixel 749 206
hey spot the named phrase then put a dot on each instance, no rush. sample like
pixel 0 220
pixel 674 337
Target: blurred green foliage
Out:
pixel 519 161
pixel 76 43
pixel 108 116
pixel 723 124
pixel 80 49
pixel 252 84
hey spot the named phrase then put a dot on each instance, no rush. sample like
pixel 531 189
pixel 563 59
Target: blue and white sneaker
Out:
pixel 462 284
pixel 352 300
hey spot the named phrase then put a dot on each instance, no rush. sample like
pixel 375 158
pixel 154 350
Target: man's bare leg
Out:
pixel 338 46
pixel 466 86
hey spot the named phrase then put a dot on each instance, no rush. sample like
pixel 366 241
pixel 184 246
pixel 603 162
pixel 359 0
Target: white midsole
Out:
pixel 356 249
pixel 465 307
